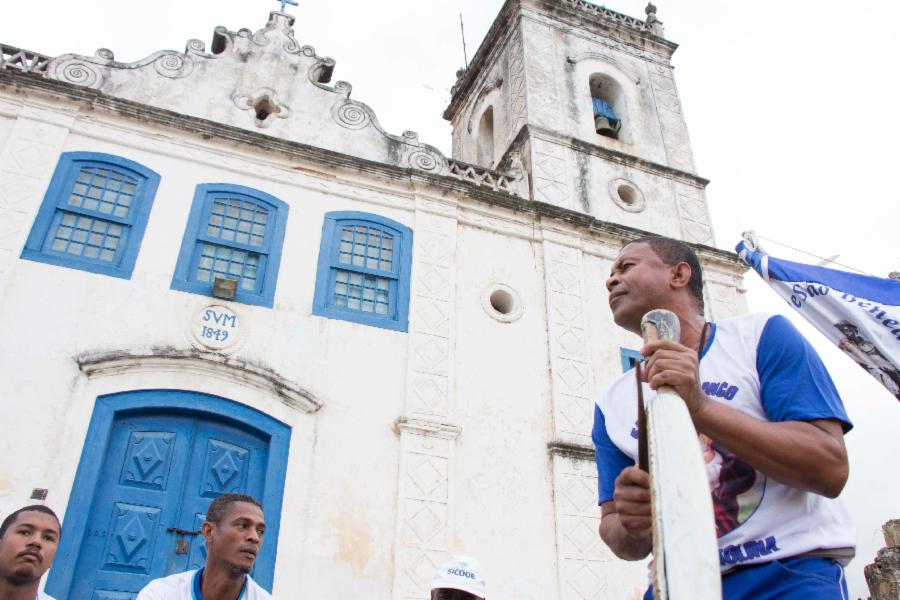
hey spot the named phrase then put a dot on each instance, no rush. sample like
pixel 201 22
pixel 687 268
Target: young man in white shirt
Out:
pixel 28 541
pixel 233 530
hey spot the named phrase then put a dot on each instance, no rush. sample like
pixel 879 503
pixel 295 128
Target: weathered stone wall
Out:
pixel 542 56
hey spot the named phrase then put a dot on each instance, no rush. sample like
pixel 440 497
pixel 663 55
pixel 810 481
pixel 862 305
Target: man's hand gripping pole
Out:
pixel 685 551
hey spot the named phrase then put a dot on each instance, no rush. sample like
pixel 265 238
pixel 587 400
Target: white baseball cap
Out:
pixel 460 573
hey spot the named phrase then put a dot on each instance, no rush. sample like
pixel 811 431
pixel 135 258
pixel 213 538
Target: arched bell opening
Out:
pixel 608 105
pixel 486 138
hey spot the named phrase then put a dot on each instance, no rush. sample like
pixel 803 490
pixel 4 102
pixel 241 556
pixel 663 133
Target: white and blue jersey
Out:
pixel 761 366
pixel 186 586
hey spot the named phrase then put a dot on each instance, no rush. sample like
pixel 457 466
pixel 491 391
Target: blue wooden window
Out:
pixel 94 214
pixel 629 358
pixel 233 232
pixel 363 271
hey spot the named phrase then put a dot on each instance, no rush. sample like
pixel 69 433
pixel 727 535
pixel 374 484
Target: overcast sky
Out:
pixel 793 110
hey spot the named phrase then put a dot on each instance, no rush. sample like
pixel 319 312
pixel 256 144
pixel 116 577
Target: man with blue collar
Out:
pixel 233 531
pixel 771 426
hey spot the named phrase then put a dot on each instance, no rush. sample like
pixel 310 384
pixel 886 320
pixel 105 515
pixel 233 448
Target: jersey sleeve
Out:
pixel 794 385
pixel 610 460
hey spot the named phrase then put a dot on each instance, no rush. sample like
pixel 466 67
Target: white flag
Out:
pixel 859 313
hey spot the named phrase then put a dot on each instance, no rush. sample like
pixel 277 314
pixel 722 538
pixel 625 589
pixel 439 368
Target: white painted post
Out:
pixel 685 551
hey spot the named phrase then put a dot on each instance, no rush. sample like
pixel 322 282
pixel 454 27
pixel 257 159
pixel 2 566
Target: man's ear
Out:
pixel 681 275
pixel 206 530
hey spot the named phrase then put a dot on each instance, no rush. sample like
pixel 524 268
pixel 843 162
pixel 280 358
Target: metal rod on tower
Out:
pixel 462 31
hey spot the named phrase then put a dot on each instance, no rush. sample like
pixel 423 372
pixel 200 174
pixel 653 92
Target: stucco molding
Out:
pixel 426 427
pixel 575 59
pixel 571 450
pixel 209 364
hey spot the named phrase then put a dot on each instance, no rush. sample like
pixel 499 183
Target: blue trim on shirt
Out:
pixel 197 593
pixel 709 342
pixel 794 385
pixel 610 460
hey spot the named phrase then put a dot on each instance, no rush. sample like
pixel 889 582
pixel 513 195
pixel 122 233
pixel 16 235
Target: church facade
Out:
pixel 218 273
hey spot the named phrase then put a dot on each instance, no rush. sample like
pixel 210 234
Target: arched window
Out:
pixel 232 244
pixel 608 104
pixel 363 272
pixel 94 214
pixel 486 138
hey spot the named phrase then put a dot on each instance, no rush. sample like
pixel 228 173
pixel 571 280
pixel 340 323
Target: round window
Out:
pixel 502 303
pixel 626 195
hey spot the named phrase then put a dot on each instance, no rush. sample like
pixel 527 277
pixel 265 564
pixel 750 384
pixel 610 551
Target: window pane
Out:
pixel 230 263
pixel 103 190
pixel 241 217
pixel 84 236
pixel 367 247
pixel 362 292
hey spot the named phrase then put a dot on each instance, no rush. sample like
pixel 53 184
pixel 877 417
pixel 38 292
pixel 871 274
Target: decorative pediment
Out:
pixel 264 80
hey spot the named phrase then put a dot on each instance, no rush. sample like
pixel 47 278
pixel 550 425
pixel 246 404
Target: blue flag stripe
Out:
pixel 886 291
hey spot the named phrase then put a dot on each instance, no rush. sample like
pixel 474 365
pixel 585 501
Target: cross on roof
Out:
pixel 283 2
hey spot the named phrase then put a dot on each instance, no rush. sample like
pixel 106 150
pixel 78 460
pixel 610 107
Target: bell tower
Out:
pixel 586 98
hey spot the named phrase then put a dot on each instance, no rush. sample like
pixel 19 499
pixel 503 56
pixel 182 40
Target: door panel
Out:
pixel 224 460
pixel 131 502
pixel 160 471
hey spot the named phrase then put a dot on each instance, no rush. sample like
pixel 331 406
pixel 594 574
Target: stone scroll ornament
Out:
pixel 351 114
pixel 685 550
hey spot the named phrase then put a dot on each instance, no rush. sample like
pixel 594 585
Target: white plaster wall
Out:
pixel 658 196
pixel 504 502
pixel 6 124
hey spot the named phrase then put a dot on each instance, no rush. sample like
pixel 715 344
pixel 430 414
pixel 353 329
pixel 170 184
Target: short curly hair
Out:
pixel 219 506
pixel 8 521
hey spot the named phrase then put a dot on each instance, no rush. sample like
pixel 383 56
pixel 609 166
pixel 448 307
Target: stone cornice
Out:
pixel 603 21
pixel 611 155
pixel 93 99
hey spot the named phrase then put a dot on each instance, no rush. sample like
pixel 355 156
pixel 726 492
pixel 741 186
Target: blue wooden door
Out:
pixel 160 471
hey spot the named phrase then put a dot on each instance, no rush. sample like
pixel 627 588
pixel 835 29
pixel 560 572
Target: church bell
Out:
pixel 604 127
